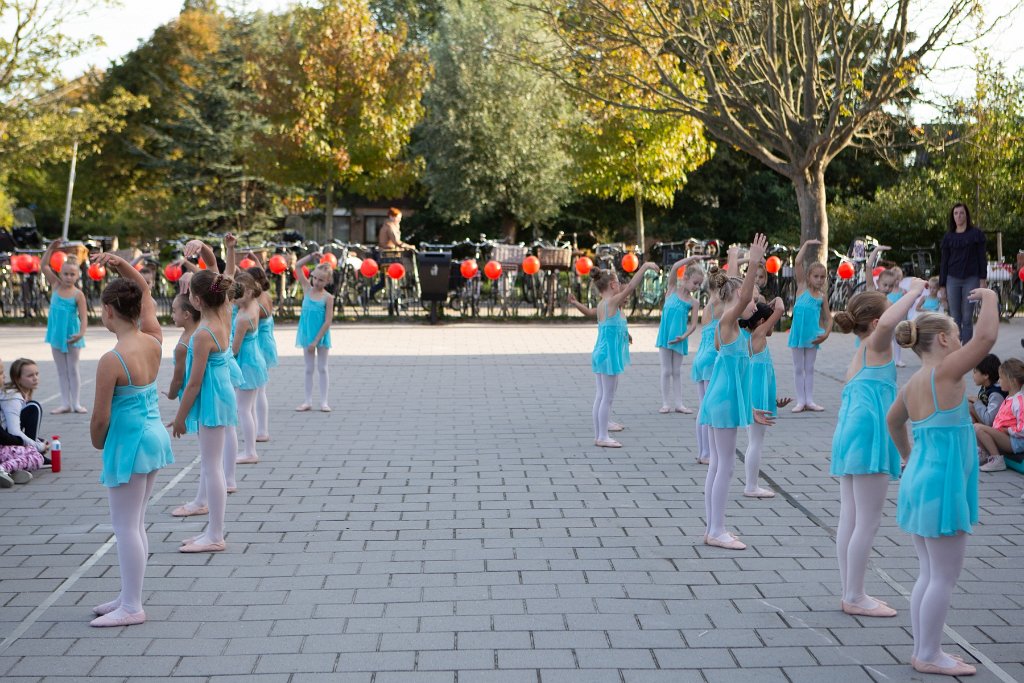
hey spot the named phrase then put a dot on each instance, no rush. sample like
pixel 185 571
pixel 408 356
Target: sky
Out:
pixel 123 26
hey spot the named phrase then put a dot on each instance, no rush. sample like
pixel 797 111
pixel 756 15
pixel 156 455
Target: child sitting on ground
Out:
pixel 1006 435
pixel 990 396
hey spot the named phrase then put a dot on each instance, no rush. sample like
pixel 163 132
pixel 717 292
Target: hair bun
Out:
pixel 844 321
pixel 906 334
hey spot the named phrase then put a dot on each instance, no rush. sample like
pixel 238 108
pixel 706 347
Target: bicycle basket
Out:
pixel 508 254
pixel 670 256
pixel 552 258
pixel 391 256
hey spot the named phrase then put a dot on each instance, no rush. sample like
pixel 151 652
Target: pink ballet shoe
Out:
pixel 732 544
pixel 958 669
pixel 759 493
pixel 324 408
pixel 107 607
pixel 304 408
pixel 81 410
pixel 814 408
pixel 798 408
pixel 664 409
pixel 116 619
pixel 263 438
pixel 615 427
pixel 684 410
pixel 202 547
pixel 703 461
pixel 880 610
pixel 63 410
pixel 247 460
pixel 608 443
pixel 232 489
pixel 187 511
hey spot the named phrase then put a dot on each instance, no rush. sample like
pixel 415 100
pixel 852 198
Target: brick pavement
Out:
pixel 450 522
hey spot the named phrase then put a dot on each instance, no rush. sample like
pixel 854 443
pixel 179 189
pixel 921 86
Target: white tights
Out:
pixel 68 375
pixel 230 454
pixel 803 374
pixel 716 486
pixel 752 458
pixel 247 419
pixel 262 413
pixel 861 499
pixel 703 434
pixel 211 481
pixel 128 516
pixel 320 356
pixel 606 385
pixel 941 560
pixel 671 378
pixel 897 352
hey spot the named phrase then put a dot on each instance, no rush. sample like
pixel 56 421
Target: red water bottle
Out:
pixel 55 454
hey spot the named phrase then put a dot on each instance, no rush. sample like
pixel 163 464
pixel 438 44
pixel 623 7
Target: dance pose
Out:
pixel 246 349
pixel 727 404
pixel 863 456
pixel 314 334
pixel 938 498
pixel 208 404
pixel 1005 437
pixel 763 393
pixel 611 350
pixel 678 322
pixel 18 457
pixel 126 426
pixel 812 323
pixel 889 284
pixel 268 347
pixel 66 324
pixel 704 363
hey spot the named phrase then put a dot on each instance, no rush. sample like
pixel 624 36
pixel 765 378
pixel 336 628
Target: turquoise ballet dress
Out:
pixel 931 303
pixel 861 443
pixel 727 403
pixel 611 350
pixel 62 323
pixel 806 319
pixel 763 391
pixel 311 319
pixel 675 317
pixel 893 297
pixel 704 359
pixel 939 488
pixel 234 319
pixel 137 441
pixel 268 344
pixel 215 405
pixel 250 360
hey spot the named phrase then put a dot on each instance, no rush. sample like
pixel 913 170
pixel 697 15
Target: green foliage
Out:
pixel 495 132
pixel 420 17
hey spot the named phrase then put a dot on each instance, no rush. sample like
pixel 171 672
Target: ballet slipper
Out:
pixel 759 493
pixel 232 489
pixel 901 364
pixel 107 607
pixel 664 409
pixel 116 619
pixel 798 408
pixel 81 410
pixel 703 461
pixel 186 511
pixel 63 410
pixel 247 460
pixel 324 408
pixel 958 669
pixel 814 408
pixel 190 539
pixel 202 547
pixel 615 427
pixel 878 610
pixel 731 544
pixel 684 410
pixel 608 443
pixel 263 438
pixel 304 408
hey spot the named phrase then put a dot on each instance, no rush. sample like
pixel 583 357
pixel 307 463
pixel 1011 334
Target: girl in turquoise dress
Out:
pixel 246 349
pixel 889 284
pixel 931 302
pixel 763 392
pixel 126 426
pixel 208 406
pixel 812 323
pixel 678 322
pixel 727 404
pixel 611 350
pixel 314 334
pixel 863 456
pixel 703 364
pixel 938 497
pixel 66 323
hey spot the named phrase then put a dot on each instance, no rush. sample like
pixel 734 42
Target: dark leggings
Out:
pixel 32 420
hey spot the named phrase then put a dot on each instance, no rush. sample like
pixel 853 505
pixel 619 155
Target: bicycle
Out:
pixel 510 256
pixel 555 257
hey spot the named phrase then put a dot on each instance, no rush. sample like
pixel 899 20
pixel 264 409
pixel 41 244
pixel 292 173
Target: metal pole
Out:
pixel 71 189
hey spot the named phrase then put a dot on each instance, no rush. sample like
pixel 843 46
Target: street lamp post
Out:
pixel 75 111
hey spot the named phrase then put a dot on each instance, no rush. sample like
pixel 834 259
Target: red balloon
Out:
pixel 369 268
pixel 680 272
pixel 202 264
pixel 16 263
pixel 246 263
pixel 96 272
pixel 330 259
pixel 396 271
pixel 173 272
pixel 531 264
pixel 57 260
pixel 630 262
pixel 584 265
pixel 492 270
pixel 140 265
pixel 1020 273
pixel 31 264
pixel 278 264
pixel 469 268
pixel 773 265
pixel 845 270
pixel 305 271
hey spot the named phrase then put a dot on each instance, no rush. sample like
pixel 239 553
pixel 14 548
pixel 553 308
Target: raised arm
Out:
pixel 986 330
pixel 585 310
pixel 229 254
pixel 633 283
pixel 148 323
pixel 299 274
pixel 799 269
pixel 870 265
pixel 204 251
pixel 746 293
pixel 673 275
pixel 48 272
pixel 881 338
pixel 765 328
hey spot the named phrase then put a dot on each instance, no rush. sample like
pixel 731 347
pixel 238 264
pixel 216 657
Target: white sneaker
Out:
pixel 995 464
pixel 24 476
pixel 5 480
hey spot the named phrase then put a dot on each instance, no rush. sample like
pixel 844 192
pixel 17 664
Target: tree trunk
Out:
pixel 329 214
pixel 810 197
pixel 638 205
pixel 508 229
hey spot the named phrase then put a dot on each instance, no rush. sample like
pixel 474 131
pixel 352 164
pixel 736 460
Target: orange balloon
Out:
pixel 202 264
pixel 369 268
pixel 396 271
pixel 96 272
pixel 278 264
pixel 630 262
pixel 680 272
pixel 57 260
pixel 246 263
pixel 531 264
pixel 305 271
pixel 881 269
pixel 492 270
pixel 584 265
pixel 773 265
pixel 845 270
pixel 330 259
pixel 173 272
pixel 469 268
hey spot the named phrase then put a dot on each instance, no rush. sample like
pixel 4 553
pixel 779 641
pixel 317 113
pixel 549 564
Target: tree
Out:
pixel 338 98
pixel 790 83
pixel 494 136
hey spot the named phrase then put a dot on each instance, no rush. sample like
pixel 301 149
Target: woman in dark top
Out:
pixel 964 267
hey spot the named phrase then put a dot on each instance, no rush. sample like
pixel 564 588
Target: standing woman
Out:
pixel 126 426
pixel 964 267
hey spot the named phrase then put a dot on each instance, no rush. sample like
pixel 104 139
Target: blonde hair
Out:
pixel 12 381
pixel 920 333
pixel 933 285
pixel 692 269
pixel 1014 369
pixel 725 286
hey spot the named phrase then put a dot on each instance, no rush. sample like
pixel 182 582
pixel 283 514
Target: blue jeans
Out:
pixel 962 310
